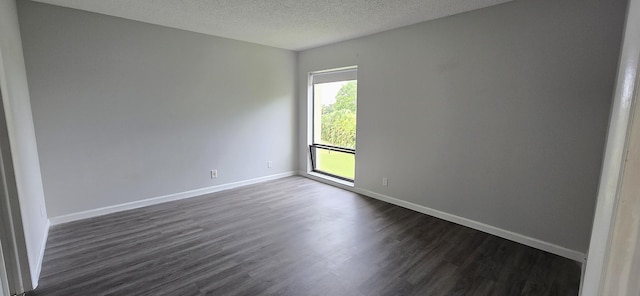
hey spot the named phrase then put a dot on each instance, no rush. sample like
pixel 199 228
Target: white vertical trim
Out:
pixel 626 85
pixel 4 281
pixel 309 120
pixel 621 273
pixel 11 230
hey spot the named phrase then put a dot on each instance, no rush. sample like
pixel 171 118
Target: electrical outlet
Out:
pixel 214 174
pixel 385 181
pixel 269 164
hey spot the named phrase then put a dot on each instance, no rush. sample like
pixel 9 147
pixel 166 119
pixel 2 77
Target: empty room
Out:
pixel 414 147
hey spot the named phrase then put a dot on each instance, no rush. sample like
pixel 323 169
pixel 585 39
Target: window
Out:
pixel 334 104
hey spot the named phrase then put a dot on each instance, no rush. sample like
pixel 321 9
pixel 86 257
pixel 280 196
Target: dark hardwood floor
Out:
pixel 291 236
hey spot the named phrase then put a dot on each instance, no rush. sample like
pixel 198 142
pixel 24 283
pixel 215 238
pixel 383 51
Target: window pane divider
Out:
pixel 334 148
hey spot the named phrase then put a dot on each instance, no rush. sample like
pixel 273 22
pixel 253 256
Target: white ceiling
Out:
pixel 289 24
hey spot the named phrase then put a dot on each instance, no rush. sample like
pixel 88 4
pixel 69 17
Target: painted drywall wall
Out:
pixel 497 115
pixel 22 140
pixel 125 111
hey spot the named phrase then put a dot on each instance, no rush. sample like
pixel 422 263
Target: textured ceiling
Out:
pixel 289 24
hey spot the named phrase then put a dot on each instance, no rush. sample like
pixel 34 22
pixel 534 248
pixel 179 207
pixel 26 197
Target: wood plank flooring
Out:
pixel 292 236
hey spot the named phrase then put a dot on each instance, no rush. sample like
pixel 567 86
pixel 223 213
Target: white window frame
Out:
pixel 325 76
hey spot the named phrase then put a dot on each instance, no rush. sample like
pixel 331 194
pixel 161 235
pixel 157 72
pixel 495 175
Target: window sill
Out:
pixel 330 180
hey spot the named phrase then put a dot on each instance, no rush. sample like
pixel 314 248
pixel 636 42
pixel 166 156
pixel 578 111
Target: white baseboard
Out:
pixel 36 276
pixel 516 237
pixel 506 234
pixel 161 199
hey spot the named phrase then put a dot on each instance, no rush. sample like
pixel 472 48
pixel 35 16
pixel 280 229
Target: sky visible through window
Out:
pixel 329 91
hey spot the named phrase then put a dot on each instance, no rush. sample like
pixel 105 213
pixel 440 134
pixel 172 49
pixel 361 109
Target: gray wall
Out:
pixel 24 168
pixel 126 111
pixel 497 115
